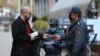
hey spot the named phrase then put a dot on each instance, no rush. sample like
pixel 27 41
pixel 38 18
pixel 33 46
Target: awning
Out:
pixel 62 7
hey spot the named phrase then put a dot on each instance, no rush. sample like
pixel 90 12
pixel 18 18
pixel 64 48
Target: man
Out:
pixel 77 36
pixel 22 34
pixel 53 44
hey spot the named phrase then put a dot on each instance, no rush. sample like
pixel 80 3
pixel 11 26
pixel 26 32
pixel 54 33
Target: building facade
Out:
pixel 39 7
pixel 42 7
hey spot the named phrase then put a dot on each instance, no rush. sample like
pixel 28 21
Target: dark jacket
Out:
pixel 55 48
pixel 77 38
pixel 35 49
pixel 21 40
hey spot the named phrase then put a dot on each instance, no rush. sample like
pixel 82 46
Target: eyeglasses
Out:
pixel 29 13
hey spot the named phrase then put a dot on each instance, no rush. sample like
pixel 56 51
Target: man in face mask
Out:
pixel 53 26
pixel 53 43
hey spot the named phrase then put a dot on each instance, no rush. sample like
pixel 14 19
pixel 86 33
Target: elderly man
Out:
pixel 22 34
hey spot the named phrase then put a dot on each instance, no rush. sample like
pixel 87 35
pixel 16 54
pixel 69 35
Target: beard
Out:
pixel 27 18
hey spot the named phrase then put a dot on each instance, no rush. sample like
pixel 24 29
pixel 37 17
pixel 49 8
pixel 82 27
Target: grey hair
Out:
pixel 24 8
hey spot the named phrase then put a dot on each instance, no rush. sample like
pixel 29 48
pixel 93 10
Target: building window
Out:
pixel 21 1
pixel 28 1
pixel 41 7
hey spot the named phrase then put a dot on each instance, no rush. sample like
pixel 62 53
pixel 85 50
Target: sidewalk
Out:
pixel 5 43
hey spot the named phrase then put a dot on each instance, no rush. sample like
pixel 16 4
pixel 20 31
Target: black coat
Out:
pixel 77 38
pixel 20 38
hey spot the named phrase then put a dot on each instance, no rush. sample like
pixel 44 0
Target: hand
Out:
pixel 33 35
pixel 56 37
pixel 45 36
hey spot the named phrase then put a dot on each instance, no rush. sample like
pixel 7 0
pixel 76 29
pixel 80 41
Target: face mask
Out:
pixel 53 30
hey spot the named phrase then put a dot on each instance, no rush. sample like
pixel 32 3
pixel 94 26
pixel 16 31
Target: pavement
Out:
pixel 5 42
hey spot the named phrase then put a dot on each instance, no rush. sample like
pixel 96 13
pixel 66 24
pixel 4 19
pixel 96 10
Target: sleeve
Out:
pixel 41 34
pixel 61 43
pixel 61 34
pixel 79 41
pixel 36 35
pixel 15 33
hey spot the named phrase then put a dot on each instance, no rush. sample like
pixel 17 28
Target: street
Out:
pixel 5 42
